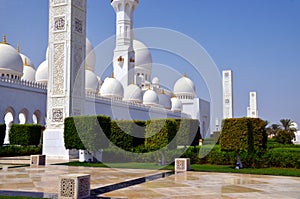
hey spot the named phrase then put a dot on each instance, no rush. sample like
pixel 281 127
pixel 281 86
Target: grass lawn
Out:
pixel 197 167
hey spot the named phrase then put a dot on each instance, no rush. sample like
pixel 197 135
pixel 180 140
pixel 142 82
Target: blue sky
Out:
pixel 258 39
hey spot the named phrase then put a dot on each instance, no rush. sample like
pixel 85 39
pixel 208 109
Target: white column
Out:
pixel 67 37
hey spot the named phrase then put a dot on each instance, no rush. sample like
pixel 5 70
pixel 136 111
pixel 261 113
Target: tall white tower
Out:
pixel 252 110
pixel 227 94
pixel 66 94
pixel 124 57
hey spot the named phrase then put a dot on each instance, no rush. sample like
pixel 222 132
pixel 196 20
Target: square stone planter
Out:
pixel 74 186
pixel 182 164
pixel 37 159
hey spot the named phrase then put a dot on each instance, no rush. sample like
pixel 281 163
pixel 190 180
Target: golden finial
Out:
pixel 149 87
pixel 112 75
pixel 132 81
pixel 4 39
pixel 184 75
pixel 25 62
pixel 163 91
pixel 18 48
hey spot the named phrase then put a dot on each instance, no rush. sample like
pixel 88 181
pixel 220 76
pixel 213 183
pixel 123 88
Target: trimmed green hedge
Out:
pixel 127 134
pixel 188 132
pixel 87 132
pixel 160 133
pixel 2 133
pixel 25 134
pixel 9 151
pixel 243 134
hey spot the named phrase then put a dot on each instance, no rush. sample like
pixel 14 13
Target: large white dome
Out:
pixel 184 87
pixel 29 73
pixel 28 69
pixel 176 104
pixel 10 61
pixel 165 101
pixel 112 88
pixel 143 59
pixel 41 75
pixel 90 60
pixel 26 61
pixel 133 93
pixel 91 81
pixel 150 98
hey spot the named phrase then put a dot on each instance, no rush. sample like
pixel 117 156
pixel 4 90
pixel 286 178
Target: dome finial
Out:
pixel 132 81
pixel 112 75
pixel 4 39
pixel 163 91
pixel 149 87
pixel 25 62
pixel 184 75
pixel 18 48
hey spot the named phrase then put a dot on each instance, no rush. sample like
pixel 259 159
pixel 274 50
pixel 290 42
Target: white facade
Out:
pixel 252 110
pixel 66 85
pixel 227 94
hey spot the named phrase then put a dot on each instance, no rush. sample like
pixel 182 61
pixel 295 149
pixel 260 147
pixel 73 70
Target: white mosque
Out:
pixel 129 93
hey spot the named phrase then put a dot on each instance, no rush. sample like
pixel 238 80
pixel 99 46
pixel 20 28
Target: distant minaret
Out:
pixel 124 58
pixel 252 110
pixel 227 94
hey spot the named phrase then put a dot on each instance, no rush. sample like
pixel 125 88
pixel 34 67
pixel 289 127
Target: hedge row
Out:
pixel 84 132
pixel 8 151
pixel 2 133
pixel 87 132
pixel 25 134
pixel 279 157
pixel 243 134
pixel 127 134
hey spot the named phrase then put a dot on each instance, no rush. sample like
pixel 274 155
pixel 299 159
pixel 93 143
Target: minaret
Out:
pixel 124 58
pixel 252 110
pixel 65 97
pixel 227 94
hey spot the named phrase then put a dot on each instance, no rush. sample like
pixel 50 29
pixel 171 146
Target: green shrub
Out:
pixel 160 133
pixel 243 134
pixel 127 134
pixel 87 132
pixel 25 134
pixel 284 137
pixel 2 133
pixel 188 132
pixel 283 157
pixel 9 151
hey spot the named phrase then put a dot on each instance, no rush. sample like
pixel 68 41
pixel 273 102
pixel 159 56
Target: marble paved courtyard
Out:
pixel 42 181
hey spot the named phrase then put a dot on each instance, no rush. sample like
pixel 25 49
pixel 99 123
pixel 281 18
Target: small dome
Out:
pixel 184 87
pixel 28 73
pixel 91 81
pixel 133 93
pixel 41 75
pixel 155 81
pixel 176 104
pixel 26 61
pixel 90 60
pixel 150 98
pixel 112 88
pixel 165 101
pixel 10 60
pixel 294 125
pixel 143 59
